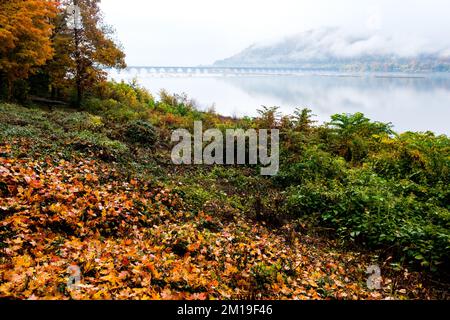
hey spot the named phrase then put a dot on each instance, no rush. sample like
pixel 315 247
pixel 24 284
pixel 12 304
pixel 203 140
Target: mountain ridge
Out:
pixel 333 48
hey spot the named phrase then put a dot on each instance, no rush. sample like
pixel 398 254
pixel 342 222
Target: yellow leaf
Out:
pixel 312 283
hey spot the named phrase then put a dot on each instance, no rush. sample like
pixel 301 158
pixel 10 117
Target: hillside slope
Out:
pixel 67 201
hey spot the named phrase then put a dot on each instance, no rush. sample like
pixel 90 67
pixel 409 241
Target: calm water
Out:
pixel 417 103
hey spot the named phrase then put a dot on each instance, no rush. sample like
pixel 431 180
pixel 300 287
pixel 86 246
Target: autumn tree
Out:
pixel 25 44
pixel 82 53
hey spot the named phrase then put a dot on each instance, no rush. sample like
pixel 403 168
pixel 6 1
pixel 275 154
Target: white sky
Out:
pixel 193 32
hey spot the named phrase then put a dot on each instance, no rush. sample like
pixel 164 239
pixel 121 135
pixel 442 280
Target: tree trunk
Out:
pixel 9 88
pixel 52 92
pixel 79 67
pixel 79 85
pixel 3 85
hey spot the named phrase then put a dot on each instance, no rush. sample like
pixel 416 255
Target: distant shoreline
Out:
pixel 208 71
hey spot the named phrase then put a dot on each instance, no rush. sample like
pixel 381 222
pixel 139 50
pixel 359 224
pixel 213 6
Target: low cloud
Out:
pixel 344 43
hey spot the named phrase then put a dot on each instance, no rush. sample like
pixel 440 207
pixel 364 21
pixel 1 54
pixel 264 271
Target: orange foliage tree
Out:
pixel 82 54
pixel 25 44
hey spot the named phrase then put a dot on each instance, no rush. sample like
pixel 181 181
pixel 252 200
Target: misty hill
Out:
pixel 339 50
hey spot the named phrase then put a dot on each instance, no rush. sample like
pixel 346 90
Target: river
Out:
pixel 409 102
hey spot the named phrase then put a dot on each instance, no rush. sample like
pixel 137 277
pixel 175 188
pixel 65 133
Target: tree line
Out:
pixel 41 55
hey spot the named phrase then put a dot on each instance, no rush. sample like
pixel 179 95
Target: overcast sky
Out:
pixel 193 32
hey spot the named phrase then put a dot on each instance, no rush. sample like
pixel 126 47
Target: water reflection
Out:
pixel 418 103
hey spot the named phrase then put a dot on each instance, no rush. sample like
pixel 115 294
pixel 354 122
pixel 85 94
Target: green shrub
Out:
pixel 99 144
pixel 179 105
pixel 374 187
pixel 197 196
pixel 130 94
pixel 314 164
pixel 9 131
pixel 140 131
pixel 120 101
pixel 111 109
pixel 378 212
pixel 77 121
pixel 421 157
pixel 18 115
pixel 353 136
